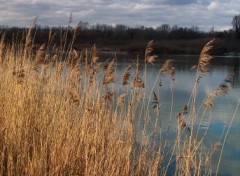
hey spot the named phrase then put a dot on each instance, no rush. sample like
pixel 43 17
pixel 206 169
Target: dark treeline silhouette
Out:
pixel 236 25
pixel 168 39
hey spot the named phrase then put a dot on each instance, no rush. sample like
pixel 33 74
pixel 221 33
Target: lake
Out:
pixel 221 112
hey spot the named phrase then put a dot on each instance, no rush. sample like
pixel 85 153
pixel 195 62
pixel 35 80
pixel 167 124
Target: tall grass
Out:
pixel 60 115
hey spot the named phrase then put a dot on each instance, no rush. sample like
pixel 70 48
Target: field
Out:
pixel 60 114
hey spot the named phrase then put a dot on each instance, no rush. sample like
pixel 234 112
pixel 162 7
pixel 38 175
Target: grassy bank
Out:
pixel 60 117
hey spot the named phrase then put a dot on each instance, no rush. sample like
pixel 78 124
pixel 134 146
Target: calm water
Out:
pixel 222 111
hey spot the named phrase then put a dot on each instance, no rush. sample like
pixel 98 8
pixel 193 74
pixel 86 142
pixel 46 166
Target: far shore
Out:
pixel 176 47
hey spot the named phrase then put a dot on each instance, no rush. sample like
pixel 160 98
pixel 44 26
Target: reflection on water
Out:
pixel 236 79
pixel 224 106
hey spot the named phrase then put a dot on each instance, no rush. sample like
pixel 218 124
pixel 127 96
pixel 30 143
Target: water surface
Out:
pixel 223 108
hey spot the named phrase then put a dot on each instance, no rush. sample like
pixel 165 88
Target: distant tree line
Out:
pixel 122 32
pixel 168 39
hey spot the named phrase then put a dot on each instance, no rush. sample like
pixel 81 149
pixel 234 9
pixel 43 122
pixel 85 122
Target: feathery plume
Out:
pixel 149 48
pixel 94 57
pixel 148 57
pixel 39 56
pixel 168 67
pixel 74 96
pixel 28 41
pixel 120 99
pixel 155 102
pixel 184 110
pixel 205 57
pixel 181 122
pixel 59 68
pixel 126 75
pixel 76 30
pixel 92 76
pixel 51 37
pixel 74 60
pixel 109 76
pixel 222 89
pixel 151 59
pixel 138 82
pixel 108 97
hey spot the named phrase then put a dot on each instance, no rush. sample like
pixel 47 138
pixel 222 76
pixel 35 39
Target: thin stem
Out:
pixel 171 101
pixel 225 138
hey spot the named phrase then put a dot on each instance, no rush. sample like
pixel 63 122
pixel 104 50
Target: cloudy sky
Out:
pixel 202 13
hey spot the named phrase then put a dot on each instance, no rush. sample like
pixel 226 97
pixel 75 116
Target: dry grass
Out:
pixel 56 120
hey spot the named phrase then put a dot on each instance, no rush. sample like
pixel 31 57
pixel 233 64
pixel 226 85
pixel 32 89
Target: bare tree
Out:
pixel 236 25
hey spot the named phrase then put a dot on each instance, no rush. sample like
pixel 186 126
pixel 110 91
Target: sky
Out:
pixel 151 13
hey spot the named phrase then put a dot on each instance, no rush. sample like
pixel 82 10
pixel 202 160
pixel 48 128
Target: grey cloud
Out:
pixel 32 9
pixel 180 2
pixel 128 12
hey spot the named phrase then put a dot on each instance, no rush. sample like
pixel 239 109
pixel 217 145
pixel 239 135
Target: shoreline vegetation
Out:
pixel 59 116
pixel 167 39
pixel 165 47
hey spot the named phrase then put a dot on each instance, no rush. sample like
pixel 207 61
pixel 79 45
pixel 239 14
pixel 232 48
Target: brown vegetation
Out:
pixel 58 118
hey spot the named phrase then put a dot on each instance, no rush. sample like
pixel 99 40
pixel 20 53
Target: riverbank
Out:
pixel 186 47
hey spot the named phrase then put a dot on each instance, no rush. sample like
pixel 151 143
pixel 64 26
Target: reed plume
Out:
pixel 139 97
pixel 19 73
pixel 126 75
pixel 168 64
pixel 148 57
pixel 185 110
pixel 91 66
pixel 87 63
pixel 109 75
pixel 29 39
pixel 155 101
pixel 74 95
pixel 205 57
pixel 108 97
pixel 76 31
pixel 51 37
pixel 43 133
pixel 168 67
pixel 92 76
pixel 120 99
pixel 138 82
pixel 181 122
pixel 106 63
pixel 94 57
pixel 180 118
pixel 47 60
pixel 75 76
pixel 74 60
pixel 222 89
pixel 40 56
pixel 58 68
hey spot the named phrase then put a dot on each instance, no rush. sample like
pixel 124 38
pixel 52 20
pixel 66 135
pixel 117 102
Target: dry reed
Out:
pixel 63 127
pixel 126 76
pixel 109 75
pixel 205 57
